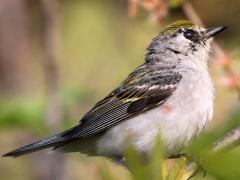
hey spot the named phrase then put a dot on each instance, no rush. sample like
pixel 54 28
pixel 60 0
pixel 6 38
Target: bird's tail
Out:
pixel 54 141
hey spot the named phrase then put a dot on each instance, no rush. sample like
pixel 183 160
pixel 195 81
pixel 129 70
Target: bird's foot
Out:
pixel 194 164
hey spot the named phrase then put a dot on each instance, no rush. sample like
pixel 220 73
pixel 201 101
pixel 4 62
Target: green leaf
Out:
pixel 156 160
pixel 105 173
pixel 223 165
pixel 136 163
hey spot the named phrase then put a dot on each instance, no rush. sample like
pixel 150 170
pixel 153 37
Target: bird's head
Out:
pixel 183 38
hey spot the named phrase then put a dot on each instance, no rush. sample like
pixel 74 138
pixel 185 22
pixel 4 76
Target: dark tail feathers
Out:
pixel 54 141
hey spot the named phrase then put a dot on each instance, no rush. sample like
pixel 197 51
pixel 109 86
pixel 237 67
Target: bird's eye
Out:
pixel 191 35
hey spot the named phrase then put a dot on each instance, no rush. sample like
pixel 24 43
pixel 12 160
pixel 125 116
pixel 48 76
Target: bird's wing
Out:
pixel 144 89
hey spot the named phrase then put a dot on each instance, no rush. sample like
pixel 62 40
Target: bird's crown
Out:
pixel 174 27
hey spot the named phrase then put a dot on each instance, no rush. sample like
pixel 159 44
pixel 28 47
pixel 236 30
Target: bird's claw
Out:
pixel 193 161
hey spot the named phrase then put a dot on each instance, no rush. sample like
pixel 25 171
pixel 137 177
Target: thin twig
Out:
pixel 229 141
pixel 54 114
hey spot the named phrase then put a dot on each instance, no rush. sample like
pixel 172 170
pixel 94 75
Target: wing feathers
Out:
pixel 147 87
pixel 102 122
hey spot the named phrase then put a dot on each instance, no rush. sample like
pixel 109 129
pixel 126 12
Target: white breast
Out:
pixel 178 121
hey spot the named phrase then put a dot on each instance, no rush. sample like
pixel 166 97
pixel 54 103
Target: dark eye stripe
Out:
pixel 191 35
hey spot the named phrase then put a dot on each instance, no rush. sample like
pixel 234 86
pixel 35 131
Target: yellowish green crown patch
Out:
pixel 172 28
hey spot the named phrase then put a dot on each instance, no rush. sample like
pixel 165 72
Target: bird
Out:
pixel 171 96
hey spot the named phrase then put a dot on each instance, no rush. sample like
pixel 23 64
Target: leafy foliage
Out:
pixel 201 157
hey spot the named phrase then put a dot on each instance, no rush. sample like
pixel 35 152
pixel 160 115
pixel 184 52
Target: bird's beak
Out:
pixel 211 32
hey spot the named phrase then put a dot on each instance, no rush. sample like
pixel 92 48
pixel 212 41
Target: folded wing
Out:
pixel 144 89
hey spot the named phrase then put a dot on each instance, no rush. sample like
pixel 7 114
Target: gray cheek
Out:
pixel 183 45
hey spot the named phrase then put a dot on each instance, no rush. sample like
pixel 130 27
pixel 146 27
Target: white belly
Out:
pixel 177 121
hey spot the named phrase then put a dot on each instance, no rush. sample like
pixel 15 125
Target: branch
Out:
pixel 50 39
pixel 54 113
pixel 229 141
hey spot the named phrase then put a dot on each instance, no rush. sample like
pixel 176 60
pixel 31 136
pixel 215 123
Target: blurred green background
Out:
pixel 95 44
